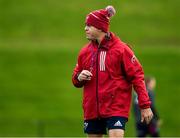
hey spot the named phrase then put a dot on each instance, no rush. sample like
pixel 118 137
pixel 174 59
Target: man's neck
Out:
pixel 101 37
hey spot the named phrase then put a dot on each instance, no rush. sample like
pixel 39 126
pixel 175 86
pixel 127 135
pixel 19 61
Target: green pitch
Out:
pixel 39 43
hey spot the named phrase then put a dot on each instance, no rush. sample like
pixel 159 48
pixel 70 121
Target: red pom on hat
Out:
pixel 101 18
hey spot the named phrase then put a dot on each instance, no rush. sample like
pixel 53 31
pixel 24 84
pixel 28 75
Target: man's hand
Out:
pixel 85 75
pixel 146 115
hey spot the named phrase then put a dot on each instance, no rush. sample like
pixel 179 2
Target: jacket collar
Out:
pixel 107 41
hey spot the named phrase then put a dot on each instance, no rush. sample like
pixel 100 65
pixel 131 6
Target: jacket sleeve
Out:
pixel 134 74
pixel 76 72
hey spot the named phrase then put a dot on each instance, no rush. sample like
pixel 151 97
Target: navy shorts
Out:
pixel 99 126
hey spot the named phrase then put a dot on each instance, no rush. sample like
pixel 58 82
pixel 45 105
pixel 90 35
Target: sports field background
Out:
pixel 39 43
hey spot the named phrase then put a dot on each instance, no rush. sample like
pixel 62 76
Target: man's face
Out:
pixel 92 33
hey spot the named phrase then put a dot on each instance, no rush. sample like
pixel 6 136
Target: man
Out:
pixel 107 69
pixel 153 127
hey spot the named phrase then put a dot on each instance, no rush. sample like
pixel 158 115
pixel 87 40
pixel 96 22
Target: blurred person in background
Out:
pixel 143 129
pixel 107 69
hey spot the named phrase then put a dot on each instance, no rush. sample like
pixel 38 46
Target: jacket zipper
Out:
pixel 97 97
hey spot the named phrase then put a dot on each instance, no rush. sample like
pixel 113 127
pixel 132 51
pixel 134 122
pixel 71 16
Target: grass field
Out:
pixel 39 43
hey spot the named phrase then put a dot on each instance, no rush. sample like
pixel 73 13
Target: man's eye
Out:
pixel 88 25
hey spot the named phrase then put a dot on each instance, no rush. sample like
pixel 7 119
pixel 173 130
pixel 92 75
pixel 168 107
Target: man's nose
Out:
pixel 86 28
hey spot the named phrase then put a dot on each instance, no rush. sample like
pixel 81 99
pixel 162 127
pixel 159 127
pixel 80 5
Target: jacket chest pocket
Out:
pixel 113 65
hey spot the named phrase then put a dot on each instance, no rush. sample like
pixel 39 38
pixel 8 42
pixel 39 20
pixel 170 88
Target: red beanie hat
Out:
pixel 100 18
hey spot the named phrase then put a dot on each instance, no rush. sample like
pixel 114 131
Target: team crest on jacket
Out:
pixel 102 60
pixel 133 59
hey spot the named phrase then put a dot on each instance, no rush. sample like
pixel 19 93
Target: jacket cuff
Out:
pixel 78 83
pixel 145 106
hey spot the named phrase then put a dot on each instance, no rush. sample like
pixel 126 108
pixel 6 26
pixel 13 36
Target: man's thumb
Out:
pixel 142 118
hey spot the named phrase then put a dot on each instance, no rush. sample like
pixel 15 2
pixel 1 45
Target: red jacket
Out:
pixel 115 70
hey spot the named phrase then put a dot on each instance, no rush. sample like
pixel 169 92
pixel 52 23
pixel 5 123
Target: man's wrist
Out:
pixel 144 106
